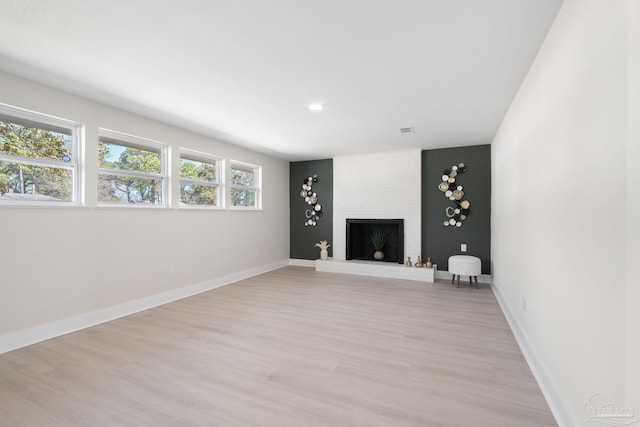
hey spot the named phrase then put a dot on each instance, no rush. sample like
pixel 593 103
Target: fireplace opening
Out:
pixel 360 246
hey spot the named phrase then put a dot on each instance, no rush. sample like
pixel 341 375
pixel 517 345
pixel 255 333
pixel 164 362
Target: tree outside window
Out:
pixel 130 173
pixel 199 183
pixel 37 160
pixel 245 185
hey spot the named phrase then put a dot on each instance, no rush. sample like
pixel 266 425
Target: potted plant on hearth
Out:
pixel 323 245
pixel 379 239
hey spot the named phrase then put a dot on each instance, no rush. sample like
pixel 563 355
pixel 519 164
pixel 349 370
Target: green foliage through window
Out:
pixel 129 174
pixel 198 182
pixel 36 161
pixel 244 185
pixel 244 198
pixel 243 178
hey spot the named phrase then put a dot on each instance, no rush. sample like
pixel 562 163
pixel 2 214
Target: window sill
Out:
pixel 134 206
pixel 244 209
pixel 31 205
pixel 200 208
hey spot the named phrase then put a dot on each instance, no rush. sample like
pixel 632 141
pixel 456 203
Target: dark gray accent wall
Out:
pixel 440 242
pixel 303 238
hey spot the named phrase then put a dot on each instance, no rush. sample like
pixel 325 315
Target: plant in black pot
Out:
pixel 379 239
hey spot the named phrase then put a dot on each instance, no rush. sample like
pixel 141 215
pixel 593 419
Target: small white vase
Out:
pixel 324 254
pixel 378 255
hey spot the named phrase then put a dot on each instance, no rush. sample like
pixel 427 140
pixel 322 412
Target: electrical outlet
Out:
pixel 463 247
pixel 524 304
pixel 172 270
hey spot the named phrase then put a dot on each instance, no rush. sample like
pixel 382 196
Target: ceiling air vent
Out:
pixel 407 130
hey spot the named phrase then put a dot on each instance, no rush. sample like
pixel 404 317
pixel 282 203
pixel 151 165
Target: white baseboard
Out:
pixel 58 328
pixel 564 417
pixel 483 278
pixel 302 262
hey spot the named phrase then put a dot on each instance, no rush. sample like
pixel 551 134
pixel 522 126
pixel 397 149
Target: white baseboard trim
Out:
pixel 483 278
pixel 564 417
pixel 36 334
pixel 302 262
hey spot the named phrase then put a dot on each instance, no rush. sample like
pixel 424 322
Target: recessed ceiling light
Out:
pixel 316 106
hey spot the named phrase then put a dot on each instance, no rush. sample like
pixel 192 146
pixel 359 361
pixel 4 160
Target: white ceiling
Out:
pixel 244 71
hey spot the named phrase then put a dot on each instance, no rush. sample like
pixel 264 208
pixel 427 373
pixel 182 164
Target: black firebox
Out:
pixel 360 246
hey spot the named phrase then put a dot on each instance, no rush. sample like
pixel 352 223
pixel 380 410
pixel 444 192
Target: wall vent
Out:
pixel 407 130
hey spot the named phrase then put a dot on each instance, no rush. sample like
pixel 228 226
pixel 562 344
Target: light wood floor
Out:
pixel 289 348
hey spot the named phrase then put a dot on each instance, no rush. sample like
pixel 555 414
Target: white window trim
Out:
pixel 189 154
pixel 138 142
pixel 236 164
pixel 77 153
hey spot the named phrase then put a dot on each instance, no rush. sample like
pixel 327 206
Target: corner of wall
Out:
pixel 541 373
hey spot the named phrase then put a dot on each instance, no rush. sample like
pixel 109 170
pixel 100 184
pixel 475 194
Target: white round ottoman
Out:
pixel 465 265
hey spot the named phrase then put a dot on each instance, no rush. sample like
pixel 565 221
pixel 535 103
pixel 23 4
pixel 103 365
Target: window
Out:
pixel 131 170
pixel 245 185
pixel 199 179
pixel 39 158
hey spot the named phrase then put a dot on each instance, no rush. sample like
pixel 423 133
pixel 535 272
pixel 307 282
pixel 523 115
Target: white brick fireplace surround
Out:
pixel 383 185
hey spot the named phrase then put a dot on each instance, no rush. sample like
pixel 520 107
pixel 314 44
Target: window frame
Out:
pixel 199 156
pixel 247 167
pixel 56 124
pixel 132 141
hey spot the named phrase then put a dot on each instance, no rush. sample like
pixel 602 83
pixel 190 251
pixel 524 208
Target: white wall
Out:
pixel 381 186
pixel 633 207
pixel 60 263
pixel 560 190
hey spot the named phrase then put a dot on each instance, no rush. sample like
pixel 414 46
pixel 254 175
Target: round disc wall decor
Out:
pixel 313 214
pixel 452 190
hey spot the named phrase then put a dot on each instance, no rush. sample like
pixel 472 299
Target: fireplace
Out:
pixel 360 247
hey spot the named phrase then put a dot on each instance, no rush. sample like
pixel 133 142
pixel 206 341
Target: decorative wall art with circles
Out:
pixel 452 190
pixel 313 214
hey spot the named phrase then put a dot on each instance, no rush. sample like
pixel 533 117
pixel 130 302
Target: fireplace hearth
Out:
pixel 360 247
